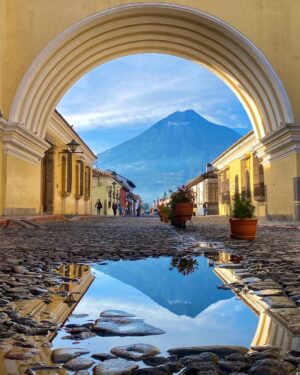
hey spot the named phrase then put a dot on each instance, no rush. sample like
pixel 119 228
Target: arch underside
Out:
pixel 152 28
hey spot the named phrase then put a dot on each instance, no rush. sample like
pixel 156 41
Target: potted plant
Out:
pixel 242 222
pixel 182 203
pixel 164 213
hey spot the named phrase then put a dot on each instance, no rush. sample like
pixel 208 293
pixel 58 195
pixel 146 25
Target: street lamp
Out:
pixel 73 145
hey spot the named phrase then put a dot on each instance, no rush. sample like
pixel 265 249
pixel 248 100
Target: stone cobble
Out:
pixel 30 255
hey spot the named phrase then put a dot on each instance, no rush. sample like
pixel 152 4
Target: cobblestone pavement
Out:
pixel 270 266
pixel 35 251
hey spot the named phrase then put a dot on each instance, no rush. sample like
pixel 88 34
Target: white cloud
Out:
pixel 142 89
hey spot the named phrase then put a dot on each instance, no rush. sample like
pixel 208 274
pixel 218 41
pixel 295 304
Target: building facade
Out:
pixel 205 187
pixel 241 170
pixel 108 190
pixel 46 46
pixel 65 175
pixel 112 188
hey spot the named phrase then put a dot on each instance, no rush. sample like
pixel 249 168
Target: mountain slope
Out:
pixel 182 295
pixel 169 153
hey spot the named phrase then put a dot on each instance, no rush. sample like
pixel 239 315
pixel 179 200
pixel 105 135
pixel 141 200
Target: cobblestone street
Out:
pixel 36 251
pixel 269 269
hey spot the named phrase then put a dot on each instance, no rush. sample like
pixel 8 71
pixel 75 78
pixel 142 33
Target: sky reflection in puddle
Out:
pixel 189 308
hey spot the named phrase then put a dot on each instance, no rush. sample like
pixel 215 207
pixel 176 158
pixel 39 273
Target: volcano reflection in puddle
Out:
pixel 186 304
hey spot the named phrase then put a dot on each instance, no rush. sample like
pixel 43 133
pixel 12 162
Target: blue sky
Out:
pixel 119 99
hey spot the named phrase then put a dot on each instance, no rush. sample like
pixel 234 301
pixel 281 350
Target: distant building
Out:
pixel 205 187
pixel 110 188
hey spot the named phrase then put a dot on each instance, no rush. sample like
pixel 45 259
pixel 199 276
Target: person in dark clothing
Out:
pixel 205 209
pixel 138 211
pixel 114 208
pixel 98 205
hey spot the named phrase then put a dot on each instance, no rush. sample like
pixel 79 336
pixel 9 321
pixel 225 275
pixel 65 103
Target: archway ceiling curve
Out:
pixel 160 28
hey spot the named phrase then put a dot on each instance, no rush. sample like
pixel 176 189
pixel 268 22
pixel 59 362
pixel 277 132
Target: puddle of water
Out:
pixel 179 296
pixel 189 307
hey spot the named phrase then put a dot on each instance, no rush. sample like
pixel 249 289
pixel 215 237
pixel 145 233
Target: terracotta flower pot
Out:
pixel 232 229
pixel 183 211
pixel 243 229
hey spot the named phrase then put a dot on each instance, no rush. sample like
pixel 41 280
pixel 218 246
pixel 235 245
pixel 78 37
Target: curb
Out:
pixel 4 222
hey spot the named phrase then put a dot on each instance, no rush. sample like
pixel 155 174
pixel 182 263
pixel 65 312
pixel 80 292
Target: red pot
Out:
pixel 243 229
pixel 232 230
pixel 183 211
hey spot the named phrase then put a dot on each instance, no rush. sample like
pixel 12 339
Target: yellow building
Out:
pixel 45 46
pixel 66 175
pixel 106 188
pixel 243 170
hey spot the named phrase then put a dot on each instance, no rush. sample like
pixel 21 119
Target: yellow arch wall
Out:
pixel 27 26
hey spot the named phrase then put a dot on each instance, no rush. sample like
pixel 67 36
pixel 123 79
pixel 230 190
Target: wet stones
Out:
pixel 20 269
pixel 125 327
pixel 279 302
pixel 65 354
pixel 272 367
pixel 135 352
pixel 115 367
pixel 268 292
pixel 20 354
pixel 220 350
pixel 233 366
pixel 79 316
pixel 203 368
pixel 160 370
pixel 103 356
pixel 262 285
pixel 203 357
pixel 77 364
pixel 116 314
pixel 155 361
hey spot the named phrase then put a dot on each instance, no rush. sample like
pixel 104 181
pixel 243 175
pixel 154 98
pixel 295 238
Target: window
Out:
pixel 259 186
pixel 246 188
pixel 236 185
pixel 224 187
pixel 259 180
pixel 66 174
pixel 69 173
pixel 213 192
pixel 87 183
pixel 79 179
pixel 63 175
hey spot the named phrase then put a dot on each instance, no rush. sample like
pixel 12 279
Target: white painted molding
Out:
pixel 237 151
pixel 283 142
pixel 21 143
pixel 280 144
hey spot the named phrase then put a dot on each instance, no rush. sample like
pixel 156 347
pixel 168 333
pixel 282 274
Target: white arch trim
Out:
pixel 160 28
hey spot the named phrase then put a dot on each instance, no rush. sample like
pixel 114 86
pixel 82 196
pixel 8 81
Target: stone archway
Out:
pixel 160 28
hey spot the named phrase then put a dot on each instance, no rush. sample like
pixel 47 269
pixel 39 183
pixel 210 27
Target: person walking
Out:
pixel 114 208
pixel 120 208
pixel 205 209
pixel 98 205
